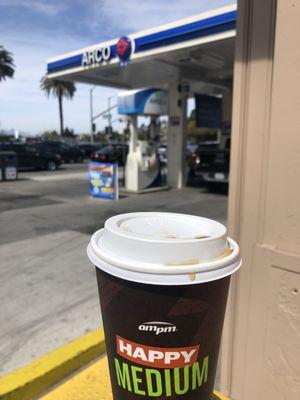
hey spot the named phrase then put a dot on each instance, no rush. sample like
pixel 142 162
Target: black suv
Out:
pixel 29 157
pixel 67 153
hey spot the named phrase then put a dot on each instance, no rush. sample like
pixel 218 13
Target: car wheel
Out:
pixel 51 165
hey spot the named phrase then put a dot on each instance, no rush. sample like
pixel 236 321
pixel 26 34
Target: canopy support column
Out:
pixel 133 132
pixel 177 136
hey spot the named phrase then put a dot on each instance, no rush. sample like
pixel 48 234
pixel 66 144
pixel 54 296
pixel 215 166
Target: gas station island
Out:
pixel 161 68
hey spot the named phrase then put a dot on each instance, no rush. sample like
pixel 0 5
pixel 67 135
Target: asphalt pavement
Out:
pixel 48 287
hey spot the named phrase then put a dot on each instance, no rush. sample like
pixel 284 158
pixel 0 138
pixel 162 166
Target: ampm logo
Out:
pixel 158 327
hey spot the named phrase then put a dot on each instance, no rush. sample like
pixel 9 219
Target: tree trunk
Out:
pixel 61 117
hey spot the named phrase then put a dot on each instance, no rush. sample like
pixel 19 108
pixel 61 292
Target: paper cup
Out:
pixel 163 283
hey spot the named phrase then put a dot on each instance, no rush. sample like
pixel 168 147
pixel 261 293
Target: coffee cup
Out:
pixel 163 282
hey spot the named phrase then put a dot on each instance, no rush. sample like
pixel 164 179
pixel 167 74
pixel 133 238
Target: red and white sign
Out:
pixel 159 357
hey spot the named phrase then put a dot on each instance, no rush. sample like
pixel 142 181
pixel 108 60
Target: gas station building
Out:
pixel 252 56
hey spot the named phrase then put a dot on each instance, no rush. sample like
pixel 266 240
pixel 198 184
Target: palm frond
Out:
pixel 57 88
pixel 7 66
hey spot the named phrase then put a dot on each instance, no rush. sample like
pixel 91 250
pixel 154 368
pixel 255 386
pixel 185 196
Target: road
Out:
pixel 48 287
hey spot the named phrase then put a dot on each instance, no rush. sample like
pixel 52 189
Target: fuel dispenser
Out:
pixel 142 165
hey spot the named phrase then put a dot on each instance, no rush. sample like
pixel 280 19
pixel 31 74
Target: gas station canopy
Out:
pixel 187 57
pixel 197 49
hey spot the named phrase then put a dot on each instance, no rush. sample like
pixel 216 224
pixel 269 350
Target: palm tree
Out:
pixel 59 89
pixel 7 66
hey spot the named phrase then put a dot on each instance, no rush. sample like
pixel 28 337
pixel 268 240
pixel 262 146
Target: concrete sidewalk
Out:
pixel 48 295
pixel 45 178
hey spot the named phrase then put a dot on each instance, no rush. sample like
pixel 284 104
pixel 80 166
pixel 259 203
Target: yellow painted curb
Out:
pixel 220 396
pixel 33 379
pixel 92 383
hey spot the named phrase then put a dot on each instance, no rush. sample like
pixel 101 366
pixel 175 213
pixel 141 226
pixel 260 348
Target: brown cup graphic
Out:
pixel 163 309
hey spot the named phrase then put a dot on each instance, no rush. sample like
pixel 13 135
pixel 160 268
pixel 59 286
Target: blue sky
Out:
pixel 35 30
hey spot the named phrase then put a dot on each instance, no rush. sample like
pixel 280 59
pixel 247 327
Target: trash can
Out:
pixel 8 166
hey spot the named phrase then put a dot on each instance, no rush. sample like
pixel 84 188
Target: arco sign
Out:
pixel 96 56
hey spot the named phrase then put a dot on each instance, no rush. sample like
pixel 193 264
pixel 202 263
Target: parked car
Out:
pixel 113 153
pixel 67 153
pixel 29 157
pixel 88 149
pixel 210 161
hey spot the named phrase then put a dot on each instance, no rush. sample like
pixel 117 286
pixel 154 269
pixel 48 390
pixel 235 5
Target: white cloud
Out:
pixel 134 15
pixel 39 6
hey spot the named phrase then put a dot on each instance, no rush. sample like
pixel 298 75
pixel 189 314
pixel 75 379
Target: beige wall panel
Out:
pixel 282 343
pixel 250 140
pixel 282 224
pixel 272 367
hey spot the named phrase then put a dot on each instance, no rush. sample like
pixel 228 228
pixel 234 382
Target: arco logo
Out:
pixel 124 48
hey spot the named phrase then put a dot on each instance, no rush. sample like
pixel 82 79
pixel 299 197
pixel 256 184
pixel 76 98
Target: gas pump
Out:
pixel 142 165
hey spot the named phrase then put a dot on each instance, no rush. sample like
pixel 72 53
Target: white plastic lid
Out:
pixel 164 248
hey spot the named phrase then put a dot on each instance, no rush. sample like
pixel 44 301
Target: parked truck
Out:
pixel 210 162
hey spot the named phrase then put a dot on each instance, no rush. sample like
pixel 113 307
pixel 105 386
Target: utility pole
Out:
pixel 91 114
pixel 109 114
pixel 105 113
pixel 109 118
